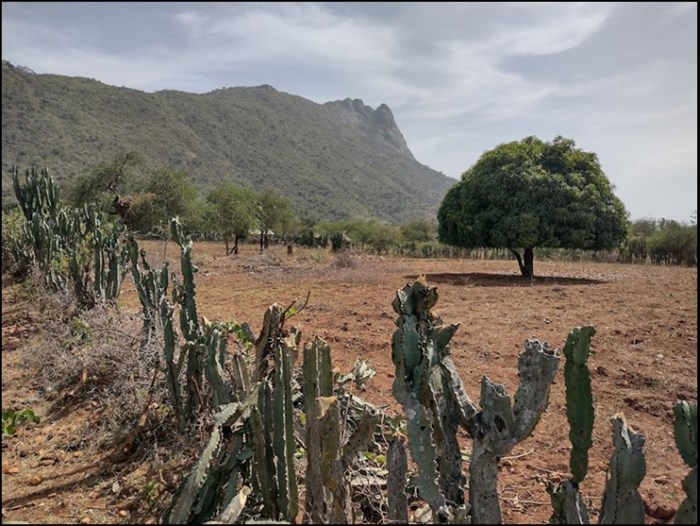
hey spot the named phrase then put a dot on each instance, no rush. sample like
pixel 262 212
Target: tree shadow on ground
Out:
pixel 481 279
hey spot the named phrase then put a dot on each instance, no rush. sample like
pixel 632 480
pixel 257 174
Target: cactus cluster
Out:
pixel 435 403
pixel 55 237
pixel 216 479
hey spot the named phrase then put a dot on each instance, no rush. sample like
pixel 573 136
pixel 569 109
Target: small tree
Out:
pixel 235 212
pixel 419 230
pixel 527 194
pixel 272 211
pixel 107 183
pixel 175 194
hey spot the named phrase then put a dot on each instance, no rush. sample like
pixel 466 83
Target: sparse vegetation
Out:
pixel 11 419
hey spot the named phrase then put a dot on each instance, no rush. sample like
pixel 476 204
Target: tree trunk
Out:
pixel 235 244
pixel 525 266
pixel 529 258
pixel 226 241
pixel 520 260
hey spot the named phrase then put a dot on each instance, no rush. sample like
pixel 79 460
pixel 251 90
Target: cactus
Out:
pixel 568 506
pixel 434 400
pixel 215 345
pixel 56 234
pixel 273 425
pixel 622 503
pixel 499 428
pixel 219 467
pixel 151 287
pixel 39 195
pixel 283 442
pixel 184 294
pixel 317 382
pixel 328 459
pixel 579 400
pixel 686 434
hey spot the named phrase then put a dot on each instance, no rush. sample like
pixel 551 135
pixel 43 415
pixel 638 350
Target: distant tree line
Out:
pixel 145 198
pixel 662 241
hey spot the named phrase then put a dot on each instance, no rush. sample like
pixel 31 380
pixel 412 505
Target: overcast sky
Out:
pixel 460 78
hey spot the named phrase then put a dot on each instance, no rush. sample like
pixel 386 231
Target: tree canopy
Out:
pixel 272 211
pixel 529 193
pixel 235 212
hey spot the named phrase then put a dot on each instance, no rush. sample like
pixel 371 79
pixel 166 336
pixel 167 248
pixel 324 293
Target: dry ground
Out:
pixel 644 358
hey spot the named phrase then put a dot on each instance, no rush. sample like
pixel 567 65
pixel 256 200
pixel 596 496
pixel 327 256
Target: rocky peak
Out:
pixel 378 125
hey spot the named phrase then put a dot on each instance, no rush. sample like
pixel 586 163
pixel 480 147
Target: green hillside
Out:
pixel 339 160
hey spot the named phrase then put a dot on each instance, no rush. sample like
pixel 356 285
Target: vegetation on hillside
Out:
pixel 255 137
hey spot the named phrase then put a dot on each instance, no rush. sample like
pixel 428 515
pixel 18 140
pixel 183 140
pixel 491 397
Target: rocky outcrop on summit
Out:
pixel 378 125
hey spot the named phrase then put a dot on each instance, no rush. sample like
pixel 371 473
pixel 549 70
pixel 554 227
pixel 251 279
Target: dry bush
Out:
pixel 95 357
pixel 342 259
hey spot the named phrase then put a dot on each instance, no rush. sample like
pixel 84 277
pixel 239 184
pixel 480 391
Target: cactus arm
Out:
pixel 215 344
pixel 339 507
pixel 466 410
pixel 686 434
pixel 688 510
pixel 241 378
pixel 423 451
pixel 567 504
pixel 579 400
pixel 446 422
pixel 185 499
pixel 312 380
pixel 622 503
pixel 537 366
pixel 278 411
pixel 493 439
pixel 261 428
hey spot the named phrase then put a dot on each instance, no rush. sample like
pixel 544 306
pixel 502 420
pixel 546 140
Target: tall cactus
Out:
pixel 686 434
pixel 434 400
pixel 152 288
pixel 567 503
pixel 328 458
pixel 276 352
pixel 622 503
pixel 499 428
pixel 317 383
pixel 39 193
pixel 184 294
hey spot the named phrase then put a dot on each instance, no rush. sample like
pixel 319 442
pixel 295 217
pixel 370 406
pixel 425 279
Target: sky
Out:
pixel 620 79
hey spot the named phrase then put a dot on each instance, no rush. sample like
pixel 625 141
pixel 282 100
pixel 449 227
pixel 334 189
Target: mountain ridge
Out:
pixel 338 160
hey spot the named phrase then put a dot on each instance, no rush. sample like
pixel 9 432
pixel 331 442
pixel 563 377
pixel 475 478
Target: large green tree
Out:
pixel 527 194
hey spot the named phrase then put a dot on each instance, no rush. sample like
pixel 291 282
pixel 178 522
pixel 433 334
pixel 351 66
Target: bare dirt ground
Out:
pixel 643 359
